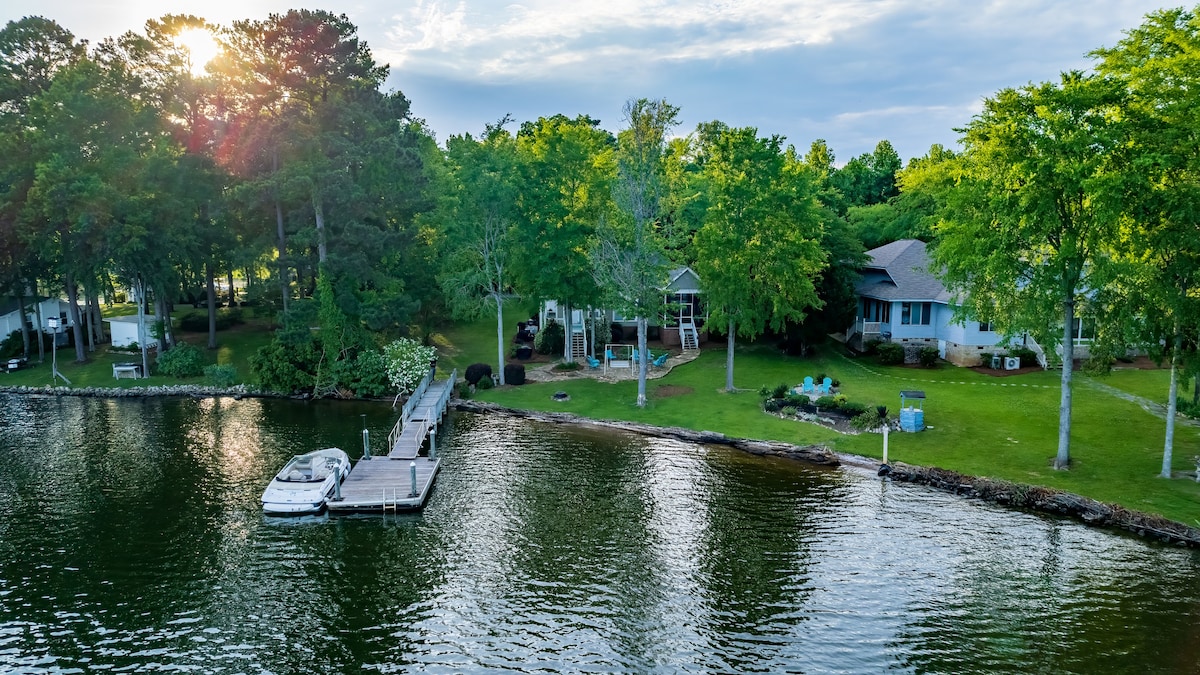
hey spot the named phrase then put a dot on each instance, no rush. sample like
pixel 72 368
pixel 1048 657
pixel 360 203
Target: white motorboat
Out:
pixel 305 482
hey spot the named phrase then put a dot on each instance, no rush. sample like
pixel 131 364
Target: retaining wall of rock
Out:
pixel 813 454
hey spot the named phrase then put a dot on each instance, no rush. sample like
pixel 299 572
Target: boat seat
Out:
pixel 295 475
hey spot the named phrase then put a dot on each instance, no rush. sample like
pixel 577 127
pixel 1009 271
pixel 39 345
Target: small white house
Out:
pixel 10 314
pixel 124 330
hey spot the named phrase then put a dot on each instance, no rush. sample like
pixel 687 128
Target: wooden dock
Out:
pixel 402 479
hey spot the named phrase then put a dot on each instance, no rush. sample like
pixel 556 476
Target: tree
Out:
pixel 477 217
pixel 758 252
pixel 568 176
pixel 1157 66
pixel 1023 236
pixel 630 261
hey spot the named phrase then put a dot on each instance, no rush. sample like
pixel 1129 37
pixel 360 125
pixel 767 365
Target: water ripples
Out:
pixel 131 540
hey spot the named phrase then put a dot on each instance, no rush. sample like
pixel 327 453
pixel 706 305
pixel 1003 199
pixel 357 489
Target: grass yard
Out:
pixel 1001 427
pixel 1152 385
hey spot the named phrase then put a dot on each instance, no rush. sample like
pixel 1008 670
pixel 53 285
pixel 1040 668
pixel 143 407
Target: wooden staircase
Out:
pixel 689 338
pixel 578 345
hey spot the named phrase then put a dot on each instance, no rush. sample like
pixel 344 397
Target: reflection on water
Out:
pixel 131 539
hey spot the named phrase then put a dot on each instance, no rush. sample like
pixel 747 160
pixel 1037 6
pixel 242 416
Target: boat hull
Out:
pixel 305 483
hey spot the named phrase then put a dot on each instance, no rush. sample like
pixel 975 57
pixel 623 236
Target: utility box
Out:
pixel 912 410
pixel 1012 362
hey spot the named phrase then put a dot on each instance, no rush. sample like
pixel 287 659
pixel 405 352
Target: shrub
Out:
pixel 827 403
pixel 13 345
pixel 407 362
pixel 514 373
pixel 476 372
pixel 551 339
pixel 780 391
pixel 985 359
pixel 486 382
pixel 772 405
pixel 182 360
pixel 764 392
pixel 285 368
pixel 221 375
pixel 788 411
pixel 852 409
pixel 928 356
pixel 870 347
pixel 366 374
pixel 1028 356
pixel 197 322
pixel 567 365
pixel 890 353
pixel 796 400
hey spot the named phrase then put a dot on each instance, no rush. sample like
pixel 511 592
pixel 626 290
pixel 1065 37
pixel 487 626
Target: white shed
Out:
pixel 124 330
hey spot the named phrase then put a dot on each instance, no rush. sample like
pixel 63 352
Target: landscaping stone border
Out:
pixel 192 390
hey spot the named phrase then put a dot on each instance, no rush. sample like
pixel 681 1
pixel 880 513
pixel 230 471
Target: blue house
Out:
pixel 901 301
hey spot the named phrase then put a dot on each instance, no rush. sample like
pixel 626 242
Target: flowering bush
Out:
pixel 407 361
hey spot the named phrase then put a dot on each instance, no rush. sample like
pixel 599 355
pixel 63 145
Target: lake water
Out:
pixel 131 540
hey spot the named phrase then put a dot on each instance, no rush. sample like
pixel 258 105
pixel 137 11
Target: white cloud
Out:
pixel 548 38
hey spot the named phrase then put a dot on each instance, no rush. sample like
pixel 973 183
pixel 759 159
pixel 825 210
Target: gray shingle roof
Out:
pixel 906 264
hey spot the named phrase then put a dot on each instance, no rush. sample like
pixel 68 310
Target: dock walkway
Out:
pixel 402 479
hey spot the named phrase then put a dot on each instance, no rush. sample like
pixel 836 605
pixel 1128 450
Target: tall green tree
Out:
pixel 569 169
pixel 1158 65
pixel 1024 237
pixel 630 261
pixel 758 253
pixel 477 217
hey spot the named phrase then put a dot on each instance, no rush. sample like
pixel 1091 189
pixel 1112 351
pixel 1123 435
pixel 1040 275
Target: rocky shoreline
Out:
pixel 1031 497
pixel 190 390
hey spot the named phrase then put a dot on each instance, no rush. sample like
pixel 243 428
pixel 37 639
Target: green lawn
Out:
pixel 1152 385
pixel 1002 427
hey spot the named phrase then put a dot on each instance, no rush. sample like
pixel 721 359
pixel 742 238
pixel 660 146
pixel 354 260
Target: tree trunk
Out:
pixel 211 287
pixel 1173 391
pixel 500 333
pixel 91 323
pixel 1063 459
pixel 729 358
pixel 319 216
pixel 41 327
pixel 567 331
pixel 643 361
pixel 232 292
pixel 76 320
pixel 24 324
pixel 97 318
pixel 139 290
pixel 282 239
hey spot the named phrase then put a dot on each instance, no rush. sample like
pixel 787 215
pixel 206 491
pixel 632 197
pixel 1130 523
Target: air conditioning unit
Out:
pixel 1012 362
pixel 996 362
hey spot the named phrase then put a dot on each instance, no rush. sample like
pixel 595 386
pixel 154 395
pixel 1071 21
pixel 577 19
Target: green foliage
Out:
pixel 567 366
pixel 871 347
pixel 928 356
pixel 827 403
pixel 796 400
pixel 788 411
pixel 197 322
pixel 853 409
pixel 780 390
pixel 13 345
pixel 1028 356
pixel 286 368
pixel 182 360
pixel 890 353
pixel 221 375
pixel 772 405
pixel 551 339
pixel 485 383
pixel 365 374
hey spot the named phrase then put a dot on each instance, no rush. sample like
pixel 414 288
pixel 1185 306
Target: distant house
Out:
pixel 678 326
pixel 901 301
pixel 124 331
pixel 10 314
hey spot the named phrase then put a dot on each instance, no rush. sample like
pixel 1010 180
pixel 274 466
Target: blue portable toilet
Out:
pixel 912 410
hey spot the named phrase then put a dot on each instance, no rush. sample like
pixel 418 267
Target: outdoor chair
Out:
pixel 827 386
pixel 593 362
pixel 660 361
pixel 808 386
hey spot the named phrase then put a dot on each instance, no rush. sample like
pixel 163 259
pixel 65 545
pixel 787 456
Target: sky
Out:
pixel 851 72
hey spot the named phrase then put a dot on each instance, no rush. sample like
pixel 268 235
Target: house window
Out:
pixel 876 310
pixel 915 313
pixel 985 326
